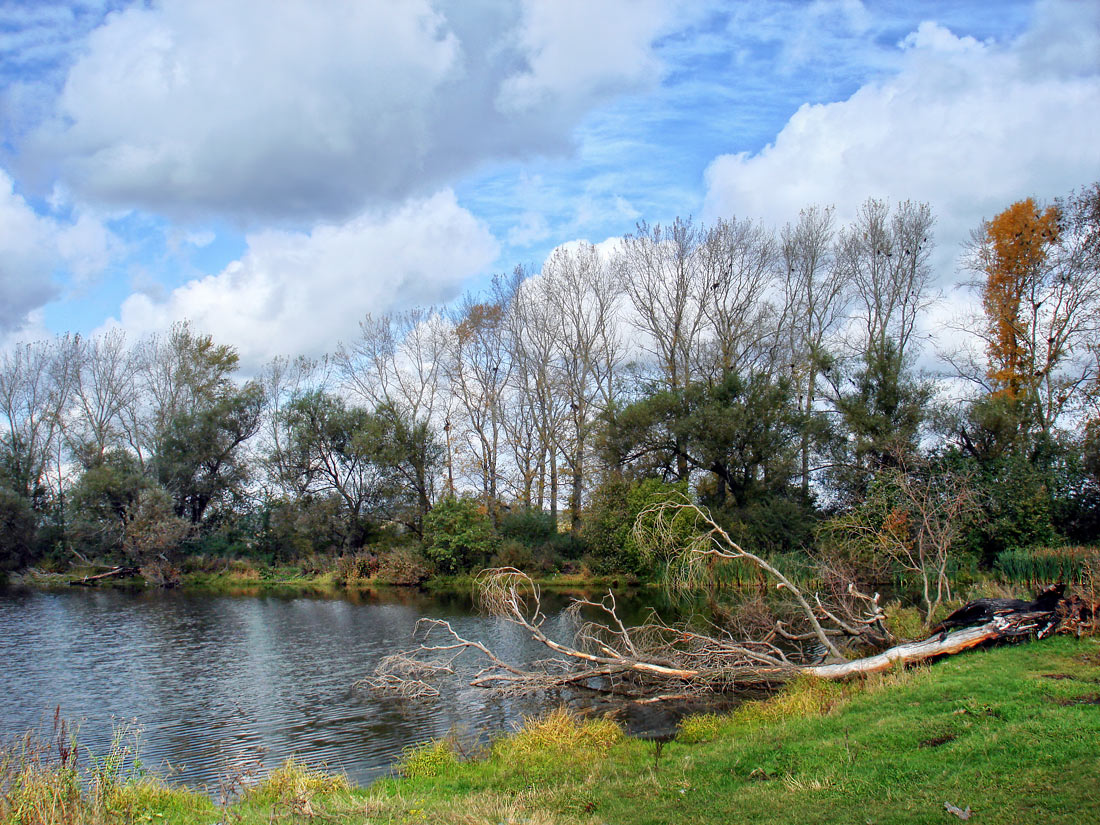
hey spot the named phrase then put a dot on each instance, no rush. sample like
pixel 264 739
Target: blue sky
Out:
pixel 273 171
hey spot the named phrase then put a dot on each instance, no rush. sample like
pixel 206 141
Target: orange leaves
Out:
pixel 1015 250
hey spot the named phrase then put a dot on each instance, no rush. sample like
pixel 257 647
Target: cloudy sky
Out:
pixel 274 169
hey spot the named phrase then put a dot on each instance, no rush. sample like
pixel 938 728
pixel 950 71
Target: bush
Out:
pixel 402 567
pixel 529 527
pixel 458 535
pixel 351 568
pixel 615 506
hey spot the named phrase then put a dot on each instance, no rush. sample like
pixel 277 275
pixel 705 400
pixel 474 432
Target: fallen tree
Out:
pixel 655 660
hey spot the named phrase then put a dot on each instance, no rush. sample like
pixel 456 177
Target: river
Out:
pixel 221 686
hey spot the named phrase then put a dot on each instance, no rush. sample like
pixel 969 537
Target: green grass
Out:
pixel 1012 733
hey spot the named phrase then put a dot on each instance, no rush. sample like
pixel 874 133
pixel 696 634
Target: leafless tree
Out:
pixel 283 379
pixel 582 294
pixel 35 380
pixel 886 257
pixel 817 295
pixel 533 344
pixel 478 369
pixel 736 262
pixel 663 279
pixel 103 388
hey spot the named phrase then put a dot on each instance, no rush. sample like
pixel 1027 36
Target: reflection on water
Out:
pixel 220 684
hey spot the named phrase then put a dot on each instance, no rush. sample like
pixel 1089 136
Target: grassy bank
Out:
pixel 225 576
pixel 1011 733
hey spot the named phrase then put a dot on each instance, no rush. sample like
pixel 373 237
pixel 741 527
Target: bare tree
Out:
pixel 663 280
pixel 736 262
pixel 886 256
pixel 103 387
pixel 581 290
pixel 817 294
pixel 34 385
pixel 478 371
pixel 284 380
pixel 533 348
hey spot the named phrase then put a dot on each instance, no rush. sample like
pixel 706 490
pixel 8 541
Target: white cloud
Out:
pixel 579 50
pixel 298 293
pixel 190 106
pixel 965 125
pixel 34 247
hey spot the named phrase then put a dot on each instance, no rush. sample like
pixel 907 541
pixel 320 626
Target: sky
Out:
pixel 273 170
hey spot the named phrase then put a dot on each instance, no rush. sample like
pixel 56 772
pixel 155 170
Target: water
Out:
pixel 221 685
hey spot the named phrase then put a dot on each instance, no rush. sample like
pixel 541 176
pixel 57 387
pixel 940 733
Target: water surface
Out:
pixel 221 685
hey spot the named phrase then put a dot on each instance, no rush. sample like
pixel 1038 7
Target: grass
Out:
pixel 1010 732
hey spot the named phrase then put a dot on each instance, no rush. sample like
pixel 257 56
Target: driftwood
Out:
pixel 118 572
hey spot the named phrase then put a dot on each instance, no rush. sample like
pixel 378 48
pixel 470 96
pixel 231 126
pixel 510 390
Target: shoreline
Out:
pixel 1008 732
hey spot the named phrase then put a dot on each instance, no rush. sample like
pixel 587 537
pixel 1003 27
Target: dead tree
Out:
pixel 656 660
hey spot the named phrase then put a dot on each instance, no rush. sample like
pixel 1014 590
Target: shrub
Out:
pixel 514 554
pixel 402 567
pixel 528 527
pixel 351 568
pixel 458 535
pixel 614 508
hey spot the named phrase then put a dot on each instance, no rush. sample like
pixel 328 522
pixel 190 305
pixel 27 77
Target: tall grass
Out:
pixel 43 783
pixel 1049 564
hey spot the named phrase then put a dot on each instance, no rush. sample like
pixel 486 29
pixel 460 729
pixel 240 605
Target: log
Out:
pixel 913 652
pixel 118 572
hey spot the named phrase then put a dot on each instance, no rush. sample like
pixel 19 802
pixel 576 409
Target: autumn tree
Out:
pixel 1041 300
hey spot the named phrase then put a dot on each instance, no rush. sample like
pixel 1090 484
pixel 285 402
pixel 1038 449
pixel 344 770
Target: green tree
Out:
pixel 364 459
pixel 879 419
pixel 200 461
pixel 459 535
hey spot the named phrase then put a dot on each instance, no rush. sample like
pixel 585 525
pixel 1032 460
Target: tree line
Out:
pixel 773 376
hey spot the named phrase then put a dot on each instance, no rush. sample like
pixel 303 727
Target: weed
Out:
pixel 559 733
pixel 433 758
pixel 701 727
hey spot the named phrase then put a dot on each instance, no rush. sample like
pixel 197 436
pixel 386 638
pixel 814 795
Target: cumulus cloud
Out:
pixel 968 126
pixel 190 106
pixel 300 293
pixel 34 247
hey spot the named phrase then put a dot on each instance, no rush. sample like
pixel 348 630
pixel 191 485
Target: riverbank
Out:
pixel 236 577
pixel 1009 733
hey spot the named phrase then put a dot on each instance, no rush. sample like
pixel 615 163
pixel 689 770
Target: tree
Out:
pixel 736 268
pixel 581 291
pixel 478 369
pixel 103 387
pixel 458 535
pixel 350 453
pixel 886 257
pixel 1041 301
pixel 663 280
pixel 817 294
pixel 200 461
pixel 915 515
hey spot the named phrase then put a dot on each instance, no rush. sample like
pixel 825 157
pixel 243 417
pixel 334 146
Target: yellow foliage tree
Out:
pixel 1016 247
